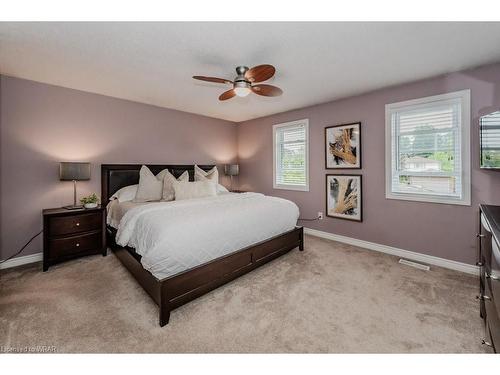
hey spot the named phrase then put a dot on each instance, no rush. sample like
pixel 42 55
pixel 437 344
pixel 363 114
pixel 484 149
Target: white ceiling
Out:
pixel 316 62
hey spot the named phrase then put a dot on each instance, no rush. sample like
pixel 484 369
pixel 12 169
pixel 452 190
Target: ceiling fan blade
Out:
pixel 267 90
pixel 260 73
pixel 213 79
pixel 227 95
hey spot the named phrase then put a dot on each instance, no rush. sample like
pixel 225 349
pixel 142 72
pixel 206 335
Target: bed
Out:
pixel 159 259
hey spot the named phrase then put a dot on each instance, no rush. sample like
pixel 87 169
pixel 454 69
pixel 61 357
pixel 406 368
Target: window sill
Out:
pixel 428 199
pixel 291 187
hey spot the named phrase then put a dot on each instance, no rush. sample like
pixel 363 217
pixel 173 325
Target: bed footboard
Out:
pixel 174 291
pixel 188 285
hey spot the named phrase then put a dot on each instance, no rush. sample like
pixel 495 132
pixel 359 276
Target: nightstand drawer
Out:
pixel 63 225
pixel 68 234
pixel 62 247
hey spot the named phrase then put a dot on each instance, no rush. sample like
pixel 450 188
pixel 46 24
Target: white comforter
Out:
pixel 174 236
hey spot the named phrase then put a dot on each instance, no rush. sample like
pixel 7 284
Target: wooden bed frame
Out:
pixel 174 291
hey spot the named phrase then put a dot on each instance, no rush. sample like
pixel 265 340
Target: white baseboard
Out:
pixel 428 259
pixel 423 258
pixel 19 261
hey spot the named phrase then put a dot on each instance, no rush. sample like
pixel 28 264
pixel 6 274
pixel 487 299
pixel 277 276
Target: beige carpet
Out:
pixel 330 298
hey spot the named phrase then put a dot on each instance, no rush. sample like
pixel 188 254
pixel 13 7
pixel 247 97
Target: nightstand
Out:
pixel 69 234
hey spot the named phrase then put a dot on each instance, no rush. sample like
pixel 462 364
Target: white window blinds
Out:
pixel 427 159
pixel 291 155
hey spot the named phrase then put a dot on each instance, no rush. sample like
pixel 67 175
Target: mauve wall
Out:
pixel 41 125
pixel 446 231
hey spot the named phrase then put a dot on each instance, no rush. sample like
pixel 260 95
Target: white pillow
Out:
pixel 125 194
pixel 201 175
pixel 168 193
pixel 196 189
pixel 150 187
pixel 221 189
pixel 161 175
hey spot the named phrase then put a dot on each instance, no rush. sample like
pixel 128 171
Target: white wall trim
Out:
pixel 423 258
pixel 19 261
pixel 429 259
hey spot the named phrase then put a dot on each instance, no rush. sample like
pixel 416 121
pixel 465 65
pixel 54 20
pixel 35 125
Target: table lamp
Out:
pixel 74 171
pixel 231 170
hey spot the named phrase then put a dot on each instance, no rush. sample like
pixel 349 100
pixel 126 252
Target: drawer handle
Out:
pixel 480 235
pixel 77 224
pixel 492 277
pixel 483 298
pixel 484 342
pixel 479 264
pixel 77 244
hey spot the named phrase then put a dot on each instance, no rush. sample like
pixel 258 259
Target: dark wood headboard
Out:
pixel 116 176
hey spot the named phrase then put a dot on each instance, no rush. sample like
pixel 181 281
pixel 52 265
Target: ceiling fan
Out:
pixel 243 84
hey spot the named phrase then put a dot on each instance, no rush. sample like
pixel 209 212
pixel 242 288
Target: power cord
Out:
pixel 317 218
pixel 24 247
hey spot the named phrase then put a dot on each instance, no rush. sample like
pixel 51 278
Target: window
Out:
pixel 428 149
pixel 291 155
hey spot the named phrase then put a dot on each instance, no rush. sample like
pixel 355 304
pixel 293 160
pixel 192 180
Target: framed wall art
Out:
pixel 344 196
pixel 343 146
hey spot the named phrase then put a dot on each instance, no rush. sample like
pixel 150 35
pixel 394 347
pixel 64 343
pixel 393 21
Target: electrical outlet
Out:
pixel 320 215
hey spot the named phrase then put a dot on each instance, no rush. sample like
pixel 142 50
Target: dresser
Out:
pixel 489 281
pixel 68 234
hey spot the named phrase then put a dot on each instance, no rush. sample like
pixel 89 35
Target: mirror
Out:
pixel 489 128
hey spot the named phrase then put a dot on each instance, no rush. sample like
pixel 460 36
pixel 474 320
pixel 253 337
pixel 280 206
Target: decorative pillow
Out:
pixel 125 194
pixel 201 175
pixel 150 187
pixel 221 189
pixel 160 176
pixel 168 185
pixel 196 189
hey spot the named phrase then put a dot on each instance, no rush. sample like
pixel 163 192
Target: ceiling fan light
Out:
pixel 242 91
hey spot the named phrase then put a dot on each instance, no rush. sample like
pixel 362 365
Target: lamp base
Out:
pixel 73 207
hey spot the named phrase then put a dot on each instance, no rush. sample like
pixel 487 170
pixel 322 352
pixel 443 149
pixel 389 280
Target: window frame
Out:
pixel 465 149
pixel 291 124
